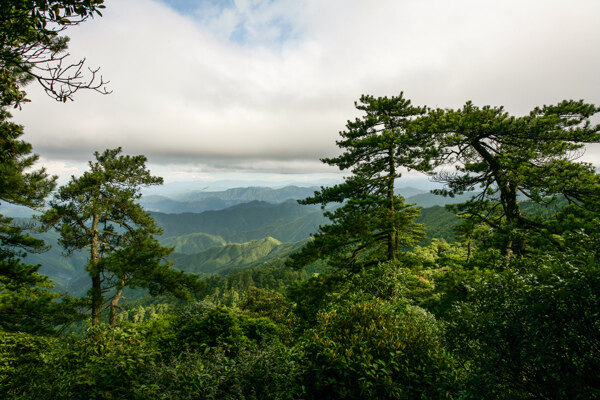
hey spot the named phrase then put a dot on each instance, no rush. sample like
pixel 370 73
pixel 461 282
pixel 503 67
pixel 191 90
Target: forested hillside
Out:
pixel 348 291
pixel 244 222
pixel 235 256
pixel 236 225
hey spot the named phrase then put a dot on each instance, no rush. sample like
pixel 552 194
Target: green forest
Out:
pixel 487 288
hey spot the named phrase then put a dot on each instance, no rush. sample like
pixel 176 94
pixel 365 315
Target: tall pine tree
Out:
pixel 99 212
pixel 372 222
pixel 507 159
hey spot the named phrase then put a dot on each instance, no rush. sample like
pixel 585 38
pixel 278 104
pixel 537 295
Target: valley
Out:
pixel 231 230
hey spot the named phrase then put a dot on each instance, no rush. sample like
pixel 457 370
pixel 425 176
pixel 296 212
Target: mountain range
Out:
pixel 200 201
pixel 242 235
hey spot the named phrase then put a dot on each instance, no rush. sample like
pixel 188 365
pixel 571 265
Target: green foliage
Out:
pixel 228 290
pixel 255 373
pixel 18 183
pixel 372 223
pixel 313 295
pixel 532 331
pixel 201 326
pixel 274 306
pixel 104 364
pixel 98 211
pixel 266 303
pixel 399 282
pixel 376 350
pixel 505 157
pixel 20 353
pixel 138 313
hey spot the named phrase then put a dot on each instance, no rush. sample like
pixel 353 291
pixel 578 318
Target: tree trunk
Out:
pixel 96 290
pixel 114 303
pixel 392 245
pixel 469 240
pixel 508 200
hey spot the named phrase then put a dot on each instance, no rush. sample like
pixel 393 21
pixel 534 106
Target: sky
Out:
pixel 258 90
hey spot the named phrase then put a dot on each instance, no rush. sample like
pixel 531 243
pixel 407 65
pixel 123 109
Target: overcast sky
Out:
pixel 215 89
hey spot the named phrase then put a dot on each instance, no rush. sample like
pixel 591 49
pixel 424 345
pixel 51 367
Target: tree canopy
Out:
pixel 372 222
pixel 32 48
pixel 99 212
pixel 508 159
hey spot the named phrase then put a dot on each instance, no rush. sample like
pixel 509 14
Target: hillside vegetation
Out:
pixel 234 256
pixel 353 292
pixel 68 272
pixel 193 242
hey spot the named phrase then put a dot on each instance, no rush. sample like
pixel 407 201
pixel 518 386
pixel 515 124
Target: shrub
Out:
pixel 256 372
pixel 372 349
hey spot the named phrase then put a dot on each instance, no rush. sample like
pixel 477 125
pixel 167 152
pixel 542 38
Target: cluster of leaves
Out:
pixel 373 349
pixel 201 351
pixel 532 332
pixel 32 48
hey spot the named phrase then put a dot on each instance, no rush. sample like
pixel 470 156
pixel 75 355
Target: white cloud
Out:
pixel 185 91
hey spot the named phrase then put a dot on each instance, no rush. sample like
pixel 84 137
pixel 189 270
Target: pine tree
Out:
pixel 26 303
pixel 372 223
pixel 507 159
pixel 98 212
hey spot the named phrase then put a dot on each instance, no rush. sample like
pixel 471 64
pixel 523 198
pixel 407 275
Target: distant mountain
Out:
pixel 439 222
pixel 174 189
pixel 208 238
pixel 409 191
pixel 429 199
pixel 193 243
pixel 287 221
pixel 247 194
pixel 170 206
pixel 234 256
pixel 16 211
pixel 62 270
pixel 200 201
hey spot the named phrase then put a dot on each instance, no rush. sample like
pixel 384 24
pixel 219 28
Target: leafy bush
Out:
pixel 105 364
pixel 21 354
pixel 373 349
pixel 531 332
pixel 202 326
pixel 254 373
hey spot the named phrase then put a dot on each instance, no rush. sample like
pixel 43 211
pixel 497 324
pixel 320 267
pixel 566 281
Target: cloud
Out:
pixel 267 85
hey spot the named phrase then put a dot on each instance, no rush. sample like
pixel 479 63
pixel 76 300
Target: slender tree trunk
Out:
pixel 96 291
pixel 392 245
pixel 114 303
pixel 508 254
pixel 508 199
pixel 469 240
